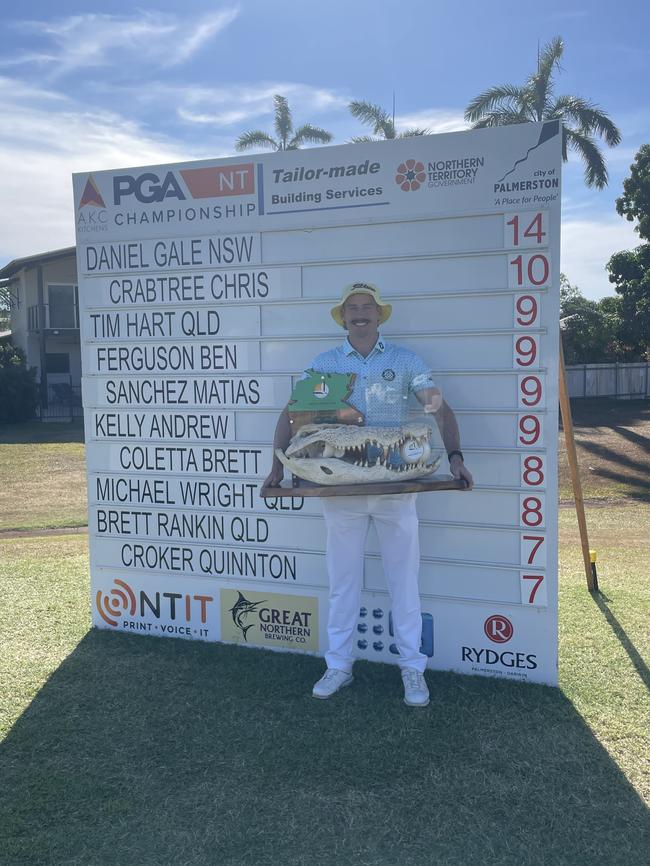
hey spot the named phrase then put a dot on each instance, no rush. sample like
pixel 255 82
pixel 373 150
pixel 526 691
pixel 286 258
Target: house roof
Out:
pixel 39 259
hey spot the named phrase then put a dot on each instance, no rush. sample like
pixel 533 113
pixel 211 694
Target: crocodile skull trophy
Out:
pixel 347 454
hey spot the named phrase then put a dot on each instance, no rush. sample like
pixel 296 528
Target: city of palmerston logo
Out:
pixel 241 610
pixel 321 390
pixel 116 602
pixel 410 175
pixel 91 194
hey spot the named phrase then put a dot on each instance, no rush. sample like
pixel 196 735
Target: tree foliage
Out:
pixel 287 138
pixel 18 389
pixel 629 270
pixel 634 204
pixel 382 123
pixel 535 100
pixel 590 328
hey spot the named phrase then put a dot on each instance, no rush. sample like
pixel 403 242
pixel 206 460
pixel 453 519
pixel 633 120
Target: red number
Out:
pixel 531 389
pixel 514 222
pixel 530 426
pixel 532 511
pixel 534 230
pixel 539 540
pixel 538 578
pixel 533 466
pixel 538 234
pixel 526 351
pixel 526 305
pixel 530 269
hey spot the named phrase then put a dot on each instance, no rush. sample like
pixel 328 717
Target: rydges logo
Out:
pixel 498 629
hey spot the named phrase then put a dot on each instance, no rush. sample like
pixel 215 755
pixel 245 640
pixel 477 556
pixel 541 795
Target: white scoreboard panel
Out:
pixel 205 289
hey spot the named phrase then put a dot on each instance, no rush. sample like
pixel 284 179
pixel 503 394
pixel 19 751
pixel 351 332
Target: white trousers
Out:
pixel 396 523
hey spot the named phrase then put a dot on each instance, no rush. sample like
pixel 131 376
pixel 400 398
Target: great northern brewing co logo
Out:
pixel 410 175
pixel 269 619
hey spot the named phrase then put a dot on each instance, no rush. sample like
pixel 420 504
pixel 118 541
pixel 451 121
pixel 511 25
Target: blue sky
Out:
pixel 88 86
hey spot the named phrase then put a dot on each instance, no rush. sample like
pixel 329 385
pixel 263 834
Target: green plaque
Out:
pixel 321 398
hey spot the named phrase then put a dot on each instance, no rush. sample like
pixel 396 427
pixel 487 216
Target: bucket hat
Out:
pixel 361 289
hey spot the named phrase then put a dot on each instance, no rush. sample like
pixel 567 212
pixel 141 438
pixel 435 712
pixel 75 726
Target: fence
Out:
pixel 623 381
pixel 63 403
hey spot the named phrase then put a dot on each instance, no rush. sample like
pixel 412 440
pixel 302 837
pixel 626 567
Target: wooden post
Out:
pixel 567 423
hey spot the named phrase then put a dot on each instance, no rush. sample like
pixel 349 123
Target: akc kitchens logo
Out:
pixel 413 174
pixel 172 613
pixel 263 619
pixel 168 189
pixel 499 630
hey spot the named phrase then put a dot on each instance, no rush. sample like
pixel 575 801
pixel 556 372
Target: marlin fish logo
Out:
pixel 240 611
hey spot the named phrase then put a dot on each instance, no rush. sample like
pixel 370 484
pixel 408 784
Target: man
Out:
pixel 385 376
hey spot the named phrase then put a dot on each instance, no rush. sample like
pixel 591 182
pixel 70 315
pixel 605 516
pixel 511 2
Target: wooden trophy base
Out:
pixel 379 488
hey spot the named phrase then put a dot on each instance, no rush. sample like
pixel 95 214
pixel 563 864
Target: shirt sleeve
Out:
pixel 421 375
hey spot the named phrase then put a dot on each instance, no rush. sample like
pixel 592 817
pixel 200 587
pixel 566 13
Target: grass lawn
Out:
pixel 119 749
pixel 124 749
pixel 43 472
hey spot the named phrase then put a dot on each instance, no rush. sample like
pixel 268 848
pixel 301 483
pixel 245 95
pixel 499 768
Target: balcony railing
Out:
pixel 57 318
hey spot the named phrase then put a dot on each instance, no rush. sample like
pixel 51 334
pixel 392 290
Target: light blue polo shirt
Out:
pixel 384 380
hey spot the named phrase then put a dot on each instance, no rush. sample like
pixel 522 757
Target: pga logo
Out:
pixel 147 187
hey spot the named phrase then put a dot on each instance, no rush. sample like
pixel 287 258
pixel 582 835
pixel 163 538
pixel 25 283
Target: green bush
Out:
pixel 18 388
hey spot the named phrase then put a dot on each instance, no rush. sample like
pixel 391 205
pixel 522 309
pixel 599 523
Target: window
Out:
pixel 57 362
pixel 62 307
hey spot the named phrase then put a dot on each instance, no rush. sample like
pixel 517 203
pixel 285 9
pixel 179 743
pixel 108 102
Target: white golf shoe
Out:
pixel 331 681
pixel 416 693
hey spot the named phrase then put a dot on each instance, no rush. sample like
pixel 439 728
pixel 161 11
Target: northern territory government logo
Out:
pixel 410 175
pixel 269 619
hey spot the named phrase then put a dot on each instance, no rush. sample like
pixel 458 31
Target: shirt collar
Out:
pixel 379 346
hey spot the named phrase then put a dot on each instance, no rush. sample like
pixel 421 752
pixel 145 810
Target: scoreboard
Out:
pixel 205 291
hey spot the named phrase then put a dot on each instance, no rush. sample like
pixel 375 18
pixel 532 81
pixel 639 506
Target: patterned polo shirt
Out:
pixel 384 380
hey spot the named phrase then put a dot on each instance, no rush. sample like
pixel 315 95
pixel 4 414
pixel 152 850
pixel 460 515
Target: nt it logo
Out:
pixel 121 601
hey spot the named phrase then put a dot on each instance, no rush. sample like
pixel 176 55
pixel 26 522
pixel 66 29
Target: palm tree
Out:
pixel 382 124
pixel 535 101
pixel 288 138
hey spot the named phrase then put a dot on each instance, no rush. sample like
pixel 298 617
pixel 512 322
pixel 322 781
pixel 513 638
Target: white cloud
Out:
pixel 435 120
pixel 93 40
pixel 587 246
pixel 217 106
pixel 48 137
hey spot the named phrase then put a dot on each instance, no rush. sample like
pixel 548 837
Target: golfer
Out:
pixel 386 374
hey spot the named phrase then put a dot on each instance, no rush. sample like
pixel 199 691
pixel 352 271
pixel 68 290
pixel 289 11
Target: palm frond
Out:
pixel 307 132
pixel 540 83
pixel 411 133
pixel 595 169
pixel 500 117
pixel 362 139
pixel 255 138
pixel 588 116
pixel 373 115
pixel 283 123
pixel 491 99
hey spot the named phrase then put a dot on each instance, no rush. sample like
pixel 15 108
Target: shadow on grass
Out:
pixel 149 751
pixel 639 665
pixel 42 432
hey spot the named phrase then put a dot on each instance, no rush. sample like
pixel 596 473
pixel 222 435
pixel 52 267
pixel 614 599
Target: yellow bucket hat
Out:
pixel 362 289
